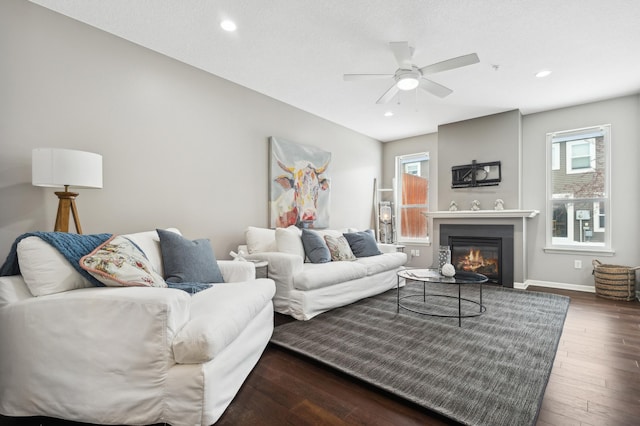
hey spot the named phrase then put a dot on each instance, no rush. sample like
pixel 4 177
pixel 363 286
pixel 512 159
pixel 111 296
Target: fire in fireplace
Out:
pixel 491 245
pixel 480 255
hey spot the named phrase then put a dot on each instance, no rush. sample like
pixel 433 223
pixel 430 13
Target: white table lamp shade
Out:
pixel 53 167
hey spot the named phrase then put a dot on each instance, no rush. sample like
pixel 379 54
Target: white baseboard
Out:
pixel 551 284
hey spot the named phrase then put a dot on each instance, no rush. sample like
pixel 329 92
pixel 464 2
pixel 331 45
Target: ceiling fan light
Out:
pixel 407 83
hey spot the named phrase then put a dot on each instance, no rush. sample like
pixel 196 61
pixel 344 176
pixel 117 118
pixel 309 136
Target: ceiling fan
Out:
pixel 409 76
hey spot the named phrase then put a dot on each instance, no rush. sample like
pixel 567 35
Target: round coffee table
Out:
pixel 433 276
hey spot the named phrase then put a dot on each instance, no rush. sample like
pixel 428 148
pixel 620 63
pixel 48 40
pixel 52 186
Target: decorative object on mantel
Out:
pixel 499 204
pixel 53 167
pixel 453 206
pixel 475 205
pixel 476 174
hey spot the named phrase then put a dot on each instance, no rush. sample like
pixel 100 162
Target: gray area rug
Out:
pixel 491 371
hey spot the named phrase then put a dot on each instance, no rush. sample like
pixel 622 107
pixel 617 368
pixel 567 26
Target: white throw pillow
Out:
pixel 260 240
pixel 149 243
pixel 45 269
pixel 288 240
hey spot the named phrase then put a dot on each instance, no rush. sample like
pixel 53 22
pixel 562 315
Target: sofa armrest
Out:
pixel 387 248
pixel 13 289
pixel 113 338
pixel 234 271
pixel 282 267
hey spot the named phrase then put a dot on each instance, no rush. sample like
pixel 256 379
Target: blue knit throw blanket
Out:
pixel 73 247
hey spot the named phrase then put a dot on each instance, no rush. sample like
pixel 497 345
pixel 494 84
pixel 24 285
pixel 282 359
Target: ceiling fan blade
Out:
pixel 353 77
pixel 388 95
pixel 434 88
pixel 449 64
pixel 403 54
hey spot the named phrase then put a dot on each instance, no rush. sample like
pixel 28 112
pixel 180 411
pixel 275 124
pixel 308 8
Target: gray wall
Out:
pixel 485 139
pixel 624 116
pixel 425 143
pixel 180 147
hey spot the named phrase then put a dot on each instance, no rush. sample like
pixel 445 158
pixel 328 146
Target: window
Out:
pixel 581 156
pixel 578 189
pixel 412 181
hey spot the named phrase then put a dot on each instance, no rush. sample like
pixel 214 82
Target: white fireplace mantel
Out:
pixel 482 214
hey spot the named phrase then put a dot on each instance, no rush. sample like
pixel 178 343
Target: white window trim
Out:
pixel 400 161
pixel 596 218
pixel 554 245
pixel 555 156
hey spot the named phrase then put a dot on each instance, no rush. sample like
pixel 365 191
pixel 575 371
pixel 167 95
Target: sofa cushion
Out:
pixel 149 243
pixel 384 262
pixel 314 247
pixel 187 261
pixel 362 244
pixel 218 316
pixel 45 270
pixel 260 240
pixel 339 248
pixel 319 275
pixel 288 240
pixel 118 262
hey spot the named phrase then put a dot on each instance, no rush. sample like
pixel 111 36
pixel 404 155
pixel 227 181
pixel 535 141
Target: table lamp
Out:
pixel 53 167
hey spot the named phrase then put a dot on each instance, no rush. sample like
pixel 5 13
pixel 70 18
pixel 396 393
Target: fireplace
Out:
pixel 485 249
pixel 482 255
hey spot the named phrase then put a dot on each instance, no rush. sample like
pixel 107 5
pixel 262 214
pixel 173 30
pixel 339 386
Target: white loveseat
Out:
pixel 130 355
pixel 305 289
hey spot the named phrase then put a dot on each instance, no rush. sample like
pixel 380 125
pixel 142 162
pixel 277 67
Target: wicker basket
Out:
pixel 614 281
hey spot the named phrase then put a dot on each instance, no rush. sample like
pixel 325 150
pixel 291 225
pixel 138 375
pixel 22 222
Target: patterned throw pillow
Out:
pixel 339 248
pixel 119 263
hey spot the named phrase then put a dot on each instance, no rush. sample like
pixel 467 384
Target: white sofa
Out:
pixel 304 289
pixel 131 355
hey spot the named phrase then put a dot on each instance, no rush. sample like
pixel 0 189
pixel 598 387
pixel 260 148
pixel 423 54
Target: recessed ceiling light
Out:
pixel 543 73
pixel 228 25
pixel 388 114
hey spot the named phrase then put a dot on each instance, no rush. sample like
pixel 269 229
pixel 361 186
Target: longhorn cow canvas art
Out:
pixel 299 185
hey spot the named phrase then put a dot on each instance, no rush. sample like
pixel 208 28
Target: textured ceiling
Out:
pixel 297 51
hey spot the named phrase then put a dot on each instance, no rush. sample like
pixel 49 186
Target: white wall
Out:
pixel 181 147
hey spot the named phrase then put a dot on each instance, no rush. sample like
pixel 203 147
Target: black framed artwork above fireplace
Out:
pixel 485 249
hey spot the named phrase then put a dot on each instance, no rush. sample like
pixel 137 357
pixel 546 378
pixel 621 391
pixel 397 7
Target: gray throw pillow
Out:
pixel 362 244
pixel 187 261
pixel 314 247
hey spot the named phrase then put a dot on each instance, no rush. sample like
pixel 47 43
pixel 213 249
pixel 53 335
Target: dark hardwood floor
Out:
pixel 595 381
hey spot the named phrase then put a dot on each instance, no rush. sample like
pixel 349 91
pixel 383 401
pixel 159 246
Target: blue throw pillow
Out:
pixel 187 261
pixel 362 244
pixel 314 247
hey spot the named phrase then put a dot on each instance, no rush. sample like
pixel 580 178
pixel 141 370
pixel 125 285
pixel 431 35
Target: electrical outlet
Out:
pixel 577 264
pixel 417 253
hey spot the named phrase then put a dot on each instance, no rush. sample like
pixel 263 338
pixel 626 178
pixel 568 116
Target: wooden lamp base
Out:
pixel 67 202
